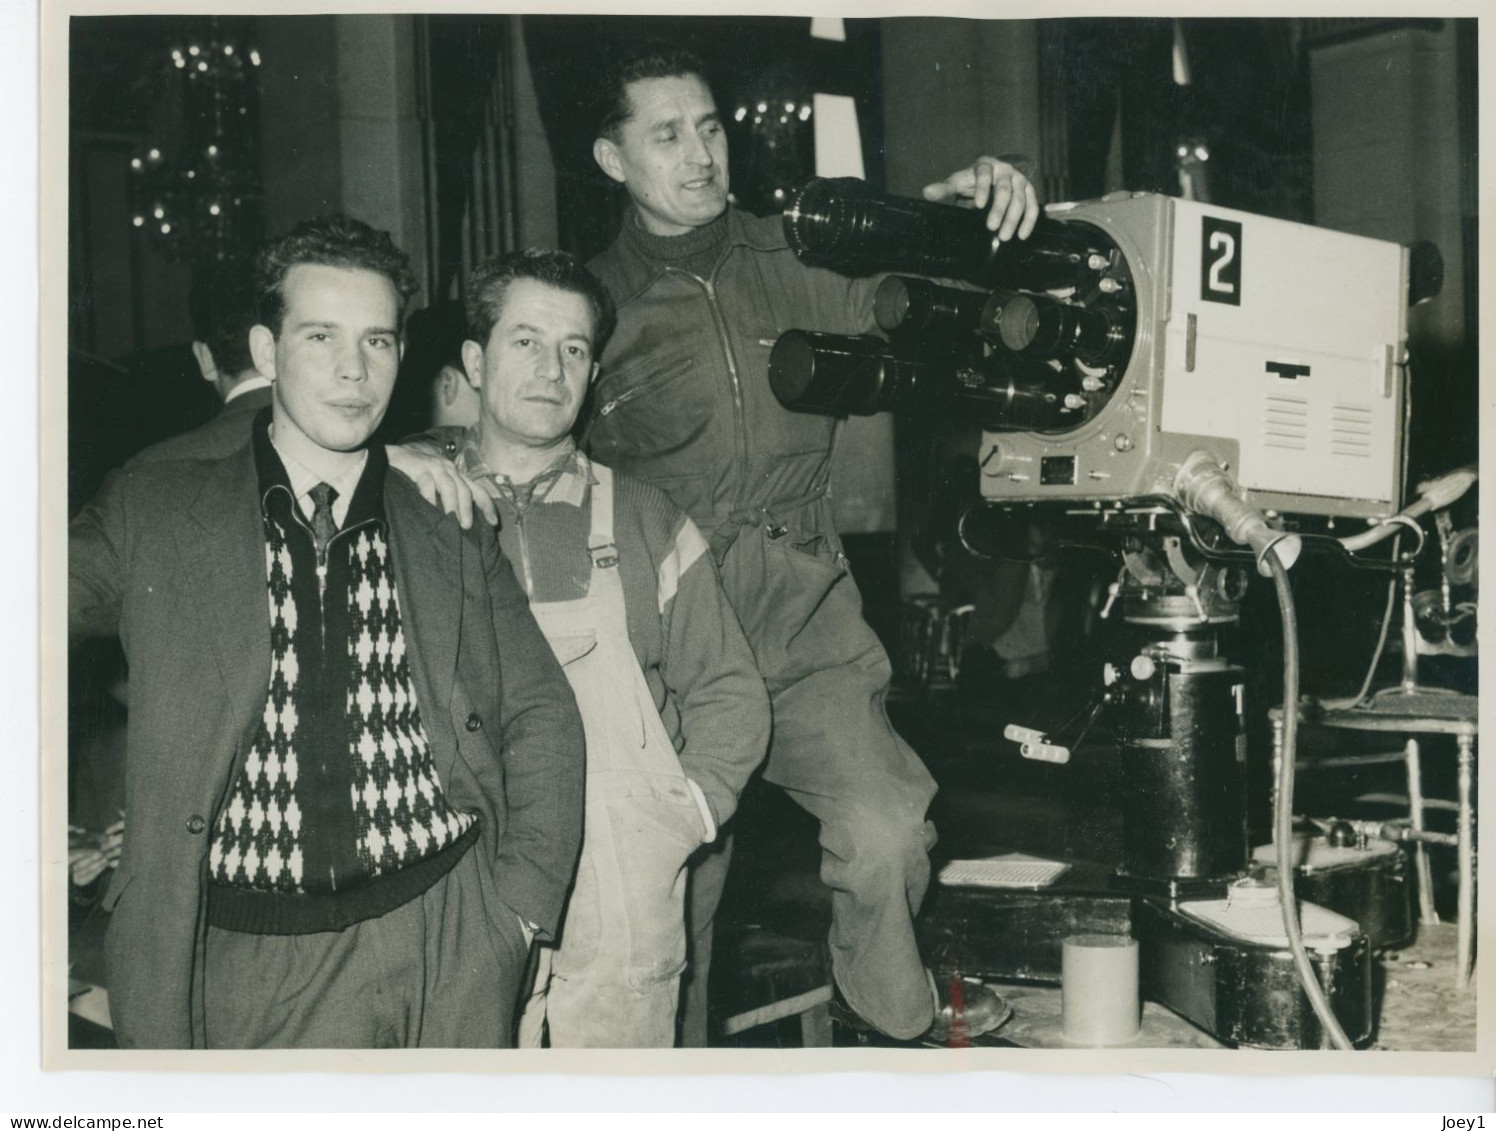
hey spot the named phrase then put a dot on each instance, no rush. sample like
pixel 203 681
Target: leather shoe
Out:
pixel 964 1008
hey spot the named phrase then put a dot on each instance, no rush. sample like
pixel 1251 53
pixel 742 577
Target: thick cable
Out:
pixel 1433 496
pixel 1376 655
pixel 1283 813
pixel 1385 529
pixel 1319 542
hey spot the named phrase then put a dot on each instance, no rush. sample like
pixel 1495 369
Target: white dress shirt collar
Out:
pixel 303 479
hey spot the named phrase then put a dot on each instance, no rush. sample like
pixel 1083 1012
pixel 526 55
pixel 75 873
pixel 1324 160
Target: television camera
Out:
pixel 1209 393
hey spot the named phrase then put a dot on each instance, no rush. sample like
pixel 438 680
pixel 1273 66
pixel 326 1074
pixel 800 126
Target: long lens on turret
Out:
pixel 1015 395
pixel 1039 326
pixel 844 224
pixel 837 375
pixel 917 306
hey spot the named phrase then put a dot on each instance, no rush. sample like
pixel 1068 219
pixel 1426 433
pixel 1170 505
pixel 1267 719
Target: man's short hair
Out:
pixel 612 106
pixel 334 240
pixel 223 305
pixel 491 280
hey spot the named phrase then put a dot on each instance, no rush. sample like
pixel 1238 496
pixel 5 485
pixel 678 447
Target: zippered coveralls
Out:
pixel 683 401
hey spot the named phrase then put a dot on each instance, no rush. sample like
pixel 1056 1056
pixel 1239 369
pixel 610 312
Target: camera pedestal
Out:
pixel 1209 929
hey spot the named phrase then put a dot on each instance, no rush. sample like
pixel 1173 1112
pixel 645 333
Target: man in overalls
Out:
pixel 622 585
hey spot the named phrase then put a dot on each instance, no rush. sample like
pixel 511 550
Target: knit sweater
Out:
pixel 696 251
pixel 697 664
pixel 337 815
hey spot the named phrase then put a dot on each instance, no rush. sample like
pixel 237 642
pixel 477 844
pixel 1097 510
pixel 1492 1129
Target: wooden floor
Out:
pixel 1422 1008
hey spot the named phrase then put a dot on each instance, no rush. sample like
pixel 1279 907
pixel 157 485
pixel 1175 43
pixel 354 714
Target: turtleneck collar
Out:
pixel 696 250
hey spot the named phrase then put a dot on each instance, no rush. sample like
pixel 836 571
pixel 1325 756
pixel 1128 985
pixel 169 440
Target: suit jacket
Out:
pixel 225 434
pixel 172 556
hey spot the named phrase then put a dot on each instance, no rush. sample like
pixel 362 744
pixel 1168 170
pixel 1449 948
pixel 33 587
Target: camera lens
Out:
pixel 835 374
pixel 1039 326
pixel 845 224
pixel 903 305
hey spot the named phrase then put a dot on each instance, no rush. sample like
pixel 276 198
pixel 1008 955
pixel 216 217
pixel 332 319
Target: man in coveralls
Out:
pixel 702 291
pixel 622 585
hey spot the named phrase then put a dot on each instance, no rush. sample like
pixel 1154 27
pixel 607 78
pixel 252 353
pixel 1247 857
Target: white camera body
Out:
pixel 1277 348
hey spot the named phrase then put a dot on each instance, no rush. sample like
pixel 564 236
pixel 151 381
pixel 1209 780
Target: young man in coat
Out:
pixel 355 770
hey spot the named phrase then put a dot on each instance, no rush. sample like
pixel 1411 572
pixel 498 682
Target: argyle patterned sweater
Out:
pixel 337 814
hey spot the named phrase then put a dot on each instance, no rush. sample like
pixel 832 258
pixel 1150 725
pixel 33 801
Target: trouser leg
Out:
pixel 593 1008
pixel 475 958
pixel 355 988
pixel 615 975
pixel 870 793
pixel 441 970
pixel 836 754
pixel 707 879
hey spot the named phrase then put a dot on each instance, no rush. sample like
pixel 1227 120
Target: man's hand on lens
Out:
pixel 988 182
pixel 441 484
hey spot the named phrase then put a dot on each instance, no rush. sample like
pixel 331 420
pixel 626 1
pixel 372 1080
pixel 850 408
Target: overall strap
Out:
pixel 600 542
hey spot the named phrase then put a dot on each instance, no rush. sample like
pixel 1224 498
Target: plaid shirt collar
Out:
pixel 565 481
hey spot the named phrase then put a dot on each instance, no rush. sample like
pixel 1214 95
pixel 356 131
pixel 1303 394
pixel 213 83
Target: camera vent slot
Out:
pixel 1286 424
pixel 1351 431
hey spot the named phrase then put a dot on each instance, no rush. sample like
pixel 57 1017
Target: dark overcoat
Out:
pixel 172 556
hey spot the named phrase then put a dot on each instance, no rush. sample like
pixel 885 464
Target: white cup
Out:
pixel 1099 990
